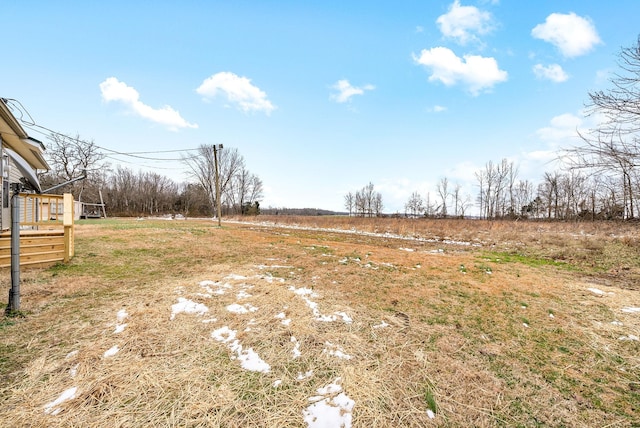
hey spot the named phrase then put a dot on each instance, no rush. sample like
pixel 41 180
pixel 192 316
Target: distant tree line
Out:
pixel 297 211
pixel 126 192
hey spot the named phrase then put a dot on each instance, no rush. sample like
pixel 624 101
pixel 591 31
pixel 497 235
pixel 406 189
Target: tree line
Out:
pixel 126 192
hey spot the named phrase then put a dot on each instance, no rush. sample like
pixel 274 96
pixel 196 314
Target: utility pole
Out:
pixel 217 147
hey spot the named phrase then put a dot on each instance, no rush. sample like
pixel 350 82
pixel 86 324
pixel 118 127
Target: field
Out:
pixel 329 321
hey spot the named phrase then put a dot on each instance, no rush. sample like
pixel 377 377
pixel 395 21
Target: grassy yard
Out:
pixel 285 321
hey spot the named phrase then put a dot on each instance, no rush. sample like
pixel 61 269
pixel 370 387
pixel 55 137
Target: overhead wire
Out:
pixel 16 105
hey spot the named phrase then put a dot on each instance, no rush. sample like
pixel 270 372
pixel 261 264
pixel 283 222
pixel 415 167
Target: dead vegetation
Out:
pixel 485 324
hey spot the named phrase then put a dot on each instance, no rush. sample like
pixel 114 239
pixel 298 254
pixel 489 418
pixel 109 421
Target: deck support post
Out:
pixel 67 222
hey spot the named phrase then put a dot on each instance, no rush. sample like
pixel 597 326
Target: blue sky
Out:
pixel 320 98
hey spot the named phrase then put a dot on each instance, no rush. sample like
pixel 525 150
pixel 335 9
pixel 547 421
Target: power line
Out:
pixel 32 125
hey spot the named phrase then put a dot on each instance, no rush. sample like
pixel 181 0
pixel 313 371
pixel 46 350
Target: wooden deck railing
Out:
pixel 46 231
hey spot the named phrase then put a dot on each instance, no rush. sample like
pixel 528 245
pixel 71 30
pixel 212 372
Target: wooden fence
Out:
pixel 46 231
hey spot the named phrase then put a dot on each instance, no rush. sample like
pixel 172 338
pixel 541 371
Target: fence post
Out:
pixel 67 221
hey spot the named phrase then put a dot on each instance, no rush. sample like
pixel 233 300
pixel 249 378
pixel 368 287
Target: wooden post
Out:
pixel 67 222
pixel 104 211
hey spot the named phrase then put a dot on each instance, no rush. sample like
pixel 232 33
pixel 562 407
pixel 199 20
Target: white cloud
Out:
pixel 438 109
pixel 346 91
pixel 476 72
pixel 114 90
pixel 562 128
pixel 462 23
pixel 573 35
pixel 553 72
pixel 238 90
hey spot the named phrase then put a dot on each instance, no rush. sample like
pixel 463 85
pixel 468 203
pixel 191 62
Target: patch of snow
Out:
pixel 119 328
pixel 209 320
pixel 296 348
pixel 346 318
pixel 270 279
pixel 551 316
pixel 71 354
pixel 303 291
pixel 242 295
pixel 631 310
pixel 111 351
pixel 303 376
pixel 224 334
pixel 52 409
pixel 235 277
pixel 430 414
pixel 411 250
pixel 629 337
pixel 277 383
pixel 616 322
pixel 249 359
pixel 524 324
pixel 329 411
pixel 262 267
pixel 335 351
pixel 187 306
pixel 73 371
pixel 122 315
pixel 381 325
pixel 241 309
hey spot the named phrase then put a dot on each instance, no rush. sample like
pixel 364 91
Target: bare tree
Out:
pixel 613 147
pixel 460 202
pixel 349 202
pixel 368 202
pixel 231 166
pixel 441 188
pixel 69 158
pixel 415 205
pixel 245 191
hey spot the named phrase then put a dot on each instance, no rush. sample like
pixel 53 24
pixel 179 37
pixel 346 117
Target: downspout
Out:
pixel 14 292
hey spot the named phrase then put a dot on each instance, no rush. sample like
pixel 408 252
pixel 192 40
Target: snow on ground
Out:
pixel 187 306
pixel 53 409
pixel 249 359
pixel 304 292
pixel 445 240
pixel 241 309
pixel 111 351
pixel 330 408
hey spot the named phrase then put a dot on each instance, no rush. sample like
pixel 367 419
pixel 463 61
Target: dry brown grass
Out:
pixel 456 314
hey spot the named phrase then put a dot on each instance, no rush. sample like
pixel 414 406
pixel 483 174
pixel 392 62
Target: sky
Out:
pixel 320 98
